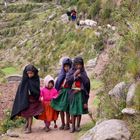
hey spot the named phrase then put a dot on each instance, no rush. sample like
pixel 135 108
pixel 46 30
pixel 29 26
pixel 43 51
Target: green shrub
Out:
pixel 7 123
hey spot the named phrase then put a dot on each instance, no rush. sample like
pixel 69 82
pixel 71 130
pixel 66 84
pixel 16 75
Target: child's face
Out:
pixel 78 66
pixel 30 74
pixel 66 68
pixel 50 85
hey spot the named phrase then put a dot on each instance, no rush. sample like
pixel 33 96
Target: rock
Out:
pixel 118 91
pixel 10 133
pixel 108 130
pixel 88 22
pixel 130 95
pixel 64 18
pixel 108 26
pixel 129 111
pixel 113 28
pixel 13 78
pixel 97 34
pixel 91 63
pixel 51 17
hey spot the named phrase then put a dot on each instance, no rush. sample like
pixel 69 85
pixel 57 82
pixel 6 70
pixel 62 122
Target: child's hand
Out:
pixel 77 72
pixel 41 98
pixel 85 106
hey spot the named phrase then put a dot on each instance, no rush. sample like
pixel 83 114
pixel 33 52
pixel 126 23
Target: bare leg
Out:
pixel 78 122
pixel 26 125
pixel 73 124
pixel 62 115
pixel 29 129
pixel 67 127
pixel 55 125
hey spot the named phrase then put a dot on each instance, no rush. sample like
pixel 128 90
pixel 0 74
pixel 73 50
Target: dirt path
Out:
pixel 55 134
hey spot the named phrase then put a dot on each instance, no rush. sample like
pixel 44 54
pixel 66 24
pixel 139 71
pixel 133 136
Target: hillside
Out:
pixel 37 32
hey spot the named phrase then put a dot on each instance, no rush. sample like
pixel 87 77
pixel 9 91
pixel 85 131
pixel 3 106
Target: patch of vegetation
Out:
pixel 85 128
pixel 6 123
pixel 9 70
pixel 96 84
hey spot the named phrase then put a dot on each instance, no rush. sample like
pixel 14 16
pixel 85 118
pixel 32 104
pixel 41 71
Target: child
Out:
pixel 47 94
pixel 61 102
pixel 73 15
pixel 79 93
pixel 26 103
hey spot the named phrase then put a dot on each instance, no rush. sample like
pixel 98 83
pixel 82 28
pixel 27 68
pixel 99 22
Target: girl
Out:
pixel 61 102
pixel 47 94
pixel 26 103
pixel 78 95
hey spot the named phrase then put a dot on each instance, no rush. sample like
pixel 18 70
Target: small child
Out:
pixel 26 103
pixel 79 93
pixel 48 92
pixel 61 102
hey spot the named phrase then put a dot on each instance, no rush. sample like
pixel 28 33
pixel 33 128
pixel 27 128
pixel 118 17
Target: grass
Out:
pixel 95 84
pixel 9 70
pixel 96 101
pixel 84 129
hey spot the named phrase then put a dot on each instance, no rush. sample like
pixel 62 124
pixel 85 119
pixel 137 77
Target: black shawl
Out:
pixel 85 82
pixel 62 74
pixel 27 84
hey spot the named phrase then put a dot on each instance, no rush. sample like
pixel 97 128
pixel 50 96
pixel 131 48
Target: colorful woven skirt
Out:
pixel 61 102
pixel 76 105
pixel 35 108
pixel 49 113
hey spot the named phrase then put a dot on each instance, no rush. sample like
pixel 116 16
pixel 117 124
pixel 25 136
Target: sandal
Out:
pixel 28 131
pixel 47 129
pixel 72 130
pixel 61 127
pixel 78 129
pixel 67 127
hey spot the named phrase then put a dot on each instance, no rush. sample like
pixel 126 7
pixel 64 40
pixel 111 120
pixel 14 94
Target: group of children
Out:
pixel 68 96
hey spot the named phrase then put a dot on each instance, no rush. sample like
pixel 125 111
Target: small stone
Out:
pixel 113 28
pixel 97 34
pixel 51 17
pixel 129 111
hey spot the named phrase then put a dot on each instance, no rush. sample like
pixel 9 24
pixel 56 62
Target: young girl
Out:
pixel 47 94
pixel 79 93
pixel 61 102
pixel 26 103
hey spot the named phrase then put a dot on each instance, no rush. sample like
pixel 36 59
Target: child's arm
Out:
pixel 41 95
pixel 55 94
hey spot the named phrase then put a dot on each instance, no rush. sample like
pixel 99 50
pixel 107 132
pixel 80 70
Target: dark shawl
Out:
pixel 62 74
pixel 27 84
pixel 85 82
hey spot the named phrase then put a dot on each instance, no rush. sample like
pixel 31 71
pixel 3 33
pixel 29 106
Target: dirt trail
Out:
pixel 55 134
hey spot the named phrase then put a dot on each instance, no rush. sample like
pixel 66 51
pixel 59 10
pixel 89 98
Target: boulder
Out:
pixel 13 78
pixel 10 133
pixel 108 130
pixel 88 22
pixel 130 95
pixel 129 111
pixel 118 91
pixel 91 63
pixel 64 18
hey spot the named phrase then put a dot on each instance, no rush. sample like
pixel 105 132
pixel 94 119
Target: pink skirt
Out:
pixel 35 108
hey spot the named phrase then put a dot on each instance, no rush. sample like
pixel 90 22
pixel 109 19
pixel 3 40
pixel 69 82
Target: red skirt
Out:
pixel 49 113
pixel 35 108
